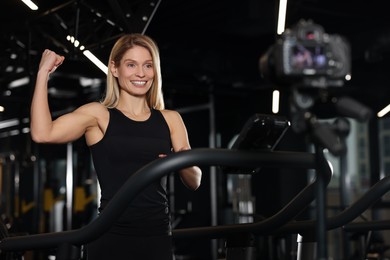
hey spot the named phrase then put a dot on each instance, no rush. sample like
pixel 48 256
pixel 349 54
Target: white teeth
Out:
pixel 139 82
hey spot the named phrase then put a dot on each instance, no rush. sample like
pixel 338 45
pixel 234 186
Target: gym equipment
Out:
pixel 69 243
pixel 307 228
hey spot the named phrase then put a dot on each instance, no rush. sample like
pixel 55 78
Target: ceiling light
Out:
pixel 19 82
pixel 88 54
pixel 30 4
pixel 282 16
pixel 384 111
pixel 275 101
pixel 9 123
pixel 96 61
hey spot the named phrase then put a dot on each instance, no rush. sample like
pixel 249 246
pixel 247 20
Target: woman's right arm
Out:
pixel 66 128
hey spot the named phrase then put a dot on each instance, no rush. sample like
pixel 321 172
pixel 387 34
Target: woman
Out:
pixel 125 131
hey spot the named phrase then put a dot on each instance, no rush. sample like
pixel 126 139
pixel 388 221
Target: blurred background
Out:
pixel 210 52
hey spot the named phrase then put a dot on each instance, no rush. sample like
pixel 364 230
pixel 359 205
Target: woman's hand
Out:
pixel 50 61
pixel 191 176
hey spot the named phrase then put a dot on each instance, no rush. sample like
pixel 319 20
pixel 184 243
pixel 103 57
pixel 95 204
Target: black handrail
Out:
pixel 283 216
pixel 343 219
pixel 152 172
pixel 364 226
pixel 346 216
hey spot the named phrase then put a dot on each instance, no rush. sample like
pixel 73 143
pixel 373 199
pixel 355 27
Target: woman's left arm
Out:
pixel 191 176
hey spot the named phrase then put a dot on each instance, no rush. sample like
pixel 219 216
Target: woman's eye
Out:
pixel 130 65
pixel 149 66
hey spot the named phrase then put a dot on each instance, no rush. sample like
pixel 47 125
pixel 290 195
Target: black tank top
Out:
pixel 126 147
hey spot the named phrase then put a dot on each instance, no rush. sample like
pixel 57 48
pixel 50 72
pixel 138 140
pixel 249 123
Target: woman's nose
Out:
pixel 140 72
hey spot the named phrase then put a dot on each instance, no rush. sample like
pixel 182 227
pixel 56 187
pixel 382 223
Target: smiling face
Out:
pixel 135 71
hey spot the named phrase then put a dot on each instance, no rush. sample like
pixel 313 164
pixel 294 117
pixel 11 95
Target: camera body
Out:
pixel 307 54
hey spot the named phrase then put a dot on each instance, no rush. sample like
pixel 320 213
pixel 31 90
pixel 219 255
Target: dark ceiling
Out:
pixel 202 43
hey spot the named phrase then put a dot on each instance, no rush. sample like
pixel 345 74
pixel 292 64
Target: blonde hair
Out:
pixel 154 96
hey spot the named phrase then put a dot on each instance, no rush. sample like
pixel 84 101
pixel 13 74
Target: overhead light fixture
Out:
pixel 88 54
pixel 30 4
pixel 282 16
pixel 95 61
pixel 275 101
pixel 384 111
pixel 9 123
pixel 19 82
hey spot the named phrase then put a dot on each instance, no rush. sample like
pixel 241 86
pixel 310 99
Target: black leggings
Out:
pixel 115 246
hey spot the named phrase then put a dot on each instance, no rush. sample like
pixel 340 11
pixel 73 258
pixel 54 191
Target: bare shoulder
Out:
pixel 173 119
pixel 94 113
pixel 94 109
pixel 171 116
pixel 97 116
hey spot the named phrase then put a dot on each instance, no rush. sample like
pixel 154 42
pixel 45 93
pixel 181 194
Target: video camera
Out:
pixel 307 55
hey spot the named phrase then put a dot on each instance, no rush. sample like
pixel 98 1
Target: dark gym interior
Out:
pixel 210 57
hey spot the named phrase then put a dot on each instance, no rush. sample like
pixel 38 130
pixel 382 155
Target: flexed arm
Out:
pixel 64 129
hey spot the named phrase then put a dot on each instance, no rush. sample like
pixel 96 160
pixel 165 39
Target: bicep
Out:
pixel 70 127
